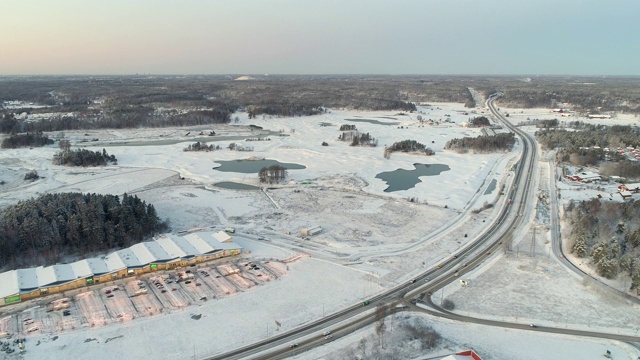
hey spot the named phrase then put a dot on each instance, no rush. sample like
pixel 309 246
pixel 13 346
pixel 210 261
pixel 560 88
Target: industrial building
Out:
pixel 166 251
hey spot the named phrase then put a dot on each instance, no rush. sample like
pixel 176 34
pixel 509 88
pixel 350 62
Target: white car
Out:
pixel 326 333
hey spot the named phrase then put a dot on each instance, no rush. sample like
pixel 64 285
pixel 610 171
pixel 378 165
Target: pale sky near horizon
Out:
pixel 572 37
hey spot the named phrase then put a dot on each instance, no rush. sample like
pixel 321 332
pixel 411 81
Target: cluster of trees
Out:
pixel 585 146
pixel 83 157
pixel 586 135
pixel 26 140
pixel 608 234
pixel 502 141
pixel 408 146
pixel 358 139
pixel 347 127
pixel 46 230
pixel 479 121
pixel 272 174
pixel 601 95
pixel 32 175
pixel 198 146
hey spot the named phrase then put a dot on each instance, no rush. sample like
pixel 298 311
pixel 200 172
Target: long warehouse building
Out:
pixel 166 251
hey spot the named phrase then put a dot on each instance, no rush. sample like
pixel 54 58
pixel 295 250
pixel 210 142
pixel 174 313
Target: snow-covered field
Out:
pixel 371 239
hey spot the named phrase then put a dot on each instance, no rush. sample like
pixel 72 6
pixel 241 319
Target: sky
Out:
pixel 541 37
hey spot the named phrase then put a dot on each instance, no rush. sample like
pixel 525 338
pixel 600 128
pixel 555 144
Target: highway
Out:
pixel 516 210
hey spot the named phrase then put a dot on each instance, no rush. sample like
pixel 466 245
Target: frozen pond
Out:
pixel 402 179
pixel 253 166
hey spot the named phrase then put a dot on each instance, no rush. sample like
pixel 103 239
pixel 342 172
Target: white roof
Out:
pixel 197 242
pixel 89 267
pixel 222 236
pixel 129 258
pixel 9 281
pixel 55 274
pixel 165 248
pixel 27 279
pixel 82 268
pixel 633 186
pixel 114 262
pixel 170 247
pixel 184 245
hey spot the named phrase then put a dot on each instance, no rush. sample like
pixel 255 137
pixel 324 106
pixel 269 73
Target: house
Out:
pixel 311 231
pixel 625 194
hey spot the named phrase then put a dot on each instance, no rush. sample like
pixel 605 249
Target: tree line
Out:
pixel 83 157
pixel 50 228
pixel 36 139
pixel 198 146
pixel 607 234
pixel 498 142
pixel 479 121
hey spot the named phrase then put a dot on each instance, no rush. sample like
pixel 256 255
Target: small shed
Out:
pixel 312 231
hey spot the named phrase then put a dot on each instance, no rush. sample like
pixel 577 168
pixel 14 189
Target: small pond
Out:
pixel 235 186
pixel 492 186
pixel 375 122
pixel 402 179
pixel 253 166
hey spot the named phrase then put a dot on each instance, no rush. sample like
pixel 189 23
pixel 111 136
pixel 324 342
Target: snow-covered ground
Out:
pixel 371 239
pixel 490 343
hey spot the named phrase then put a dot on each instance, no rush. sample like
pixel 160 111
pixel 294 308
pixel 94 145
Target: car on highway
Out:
pixel 439 266
pixel 328 337
pixel 326 333
pixel 293 346
pixel 532 325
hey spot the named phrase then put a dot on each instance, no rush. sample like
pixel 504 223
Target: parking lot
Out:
pixel 126 299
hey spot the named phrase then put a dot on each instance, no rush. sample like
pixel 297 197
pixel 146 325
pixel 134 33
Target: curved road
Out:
pixel 498 234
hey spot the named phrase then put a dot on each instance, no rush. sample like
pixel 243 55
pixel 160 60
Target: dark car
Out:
pixel 188 282
pixel 66 313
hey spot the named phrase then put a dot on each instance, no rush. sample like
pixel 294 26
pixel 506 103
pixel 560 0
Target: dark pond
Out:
pixel 235 186
pixel 492 186
pixel 375 122
pixel 253 166
pixel 402 179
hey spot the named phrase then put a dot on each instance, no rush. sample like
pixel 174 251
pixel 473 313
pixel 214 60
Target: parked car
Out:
pixel 66 313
